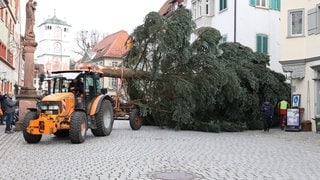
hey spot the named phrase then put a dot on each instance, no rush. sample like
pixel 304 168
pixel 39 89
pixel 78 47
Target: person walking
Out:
pixel 267 110
pixel 283 105
pixel 10 107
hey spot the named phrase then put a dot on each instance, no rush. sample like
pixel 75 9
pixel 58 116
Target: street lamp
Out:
pixel 3 76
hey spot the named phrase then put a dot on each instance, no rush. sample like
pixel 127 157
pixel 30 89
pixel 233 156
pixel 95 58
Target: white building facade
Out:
pixel 54 47
pixel 300 52
pixel 11 62
pixel 253 23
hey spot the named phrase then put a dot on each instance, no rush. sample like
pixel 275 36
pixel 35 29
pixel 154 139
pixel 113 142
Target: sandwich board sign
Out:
pixel 293 119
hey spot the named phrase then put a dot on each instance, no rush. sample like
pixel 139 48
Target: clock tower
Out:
pixel 54 47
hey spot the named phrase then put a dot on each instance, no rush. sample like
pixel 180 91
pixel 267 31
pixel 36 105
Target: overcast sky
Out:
pixel 106 16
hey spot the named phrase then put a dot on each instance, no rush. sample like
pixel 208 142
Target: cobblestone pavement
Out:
pixel 154 153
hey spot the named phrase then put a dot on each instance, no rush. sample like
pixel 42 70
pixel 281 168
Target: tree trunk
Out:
pixel 118 72
pixel 115 72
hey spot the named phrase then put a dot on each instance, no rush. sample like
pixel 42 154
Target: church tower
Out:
pixel 54 47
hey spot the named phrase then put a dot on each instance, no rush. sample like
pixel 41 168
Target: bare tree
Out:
pixel 86 41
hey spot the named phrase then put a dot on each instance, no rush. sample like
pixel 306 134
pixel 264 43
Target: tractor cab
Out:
pixel 85 85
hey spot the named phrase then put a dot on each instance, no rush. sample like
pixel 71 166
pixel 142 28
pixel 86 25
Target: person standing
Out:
pixel 10 107
pixel 267 110
pixel 2 116
pixel 283 105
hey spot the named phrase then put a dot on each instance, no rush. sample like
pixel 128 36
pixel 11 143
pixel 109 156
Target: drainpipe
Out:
pixel 235 22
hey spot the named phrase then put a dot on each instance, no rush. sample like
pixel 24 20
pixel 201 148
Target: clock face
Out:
pixel 57 47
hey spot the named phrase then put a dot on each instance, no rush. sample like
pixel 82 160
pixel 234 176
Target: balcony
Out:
pixel 204 21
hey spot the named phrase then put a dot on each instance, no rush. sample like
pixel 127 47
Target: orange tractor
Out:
pixel 65 113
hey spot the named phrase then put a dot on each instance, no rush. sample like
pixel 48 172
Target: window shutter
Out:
pixel 265 44
pixel 259 40
pixel 223 5
pixel 278 5
pixel 252 3
pixel 312 21
pixel 275 4
pixel 271 4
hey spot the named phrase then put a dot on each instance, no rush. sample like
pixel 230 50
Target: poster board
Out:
pixel 293 119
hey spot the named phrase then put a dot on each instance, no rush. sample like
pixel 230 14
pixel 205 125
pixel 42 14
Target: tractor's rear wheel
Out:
pixel 135 119
pixel 30 138
pixel 104 119
pixel 78 127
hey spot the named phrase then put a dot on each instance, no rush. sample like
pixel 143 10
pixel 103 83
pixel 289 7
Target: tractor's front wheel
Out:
pixel 104 119
pixel 78 127
pixel 30 138
pixel 135 119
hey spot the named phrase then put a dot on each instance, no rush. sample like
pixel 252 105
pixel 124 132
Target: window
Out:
pixel 1 14
pixel 194 10
pixel 296 23
pixel 199 8
pixel 6 19
pixel 318 19
pixel 47 27
pixel 262 43
pixel 114 63
pixel 3 51
pixel 113 83
pixel 223 5
pixel 202 8
pixel 207 7
pixel 261 3
pixel 272 4
pixel 57 33
pixel 223 39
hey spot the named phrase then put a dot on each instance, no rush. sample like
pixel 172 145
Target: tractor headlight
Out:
pixel 52 107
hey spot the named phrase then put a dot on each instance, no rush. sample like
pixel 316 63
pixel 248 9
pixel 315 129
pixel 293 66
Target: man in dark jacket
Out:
pixel 10 107
pixel 76 86
pixel 267 110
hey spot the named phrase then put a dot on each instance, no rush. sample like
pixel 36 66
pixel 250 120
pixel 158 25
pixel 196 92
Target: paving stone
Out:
pixel 142 154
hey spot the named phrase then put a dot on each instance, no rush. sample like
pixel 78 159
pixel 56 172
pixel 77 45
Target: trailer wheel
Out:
pixel 135 119
pixel 78 127
pixel 30 138
pixel 104 119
